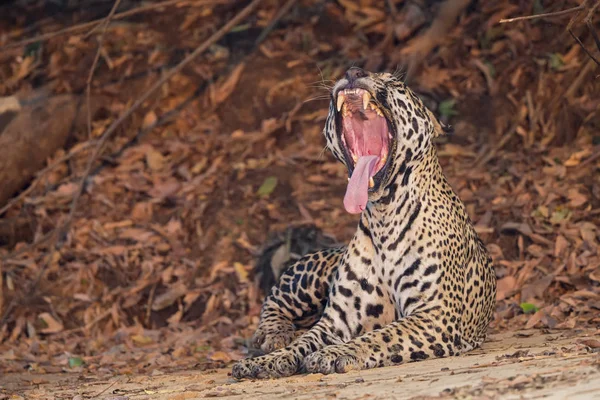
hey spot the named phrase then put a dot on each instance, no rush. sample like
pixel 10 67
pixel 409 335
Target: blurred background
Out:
pixel 133 213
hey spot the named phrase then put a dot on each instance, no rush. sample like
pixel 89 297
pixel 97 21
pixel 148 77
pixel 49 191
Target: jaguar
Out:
pixel 415 281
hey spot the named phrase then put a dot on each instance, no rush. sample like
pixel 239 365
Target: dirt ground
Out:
pixel 517 365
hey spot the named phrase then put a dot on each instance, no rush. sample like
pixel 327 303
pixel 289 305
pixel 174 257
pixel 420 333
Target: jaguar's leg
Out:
pixel 356 304
pixel 416 337
pixel 287 361
pixel 297 300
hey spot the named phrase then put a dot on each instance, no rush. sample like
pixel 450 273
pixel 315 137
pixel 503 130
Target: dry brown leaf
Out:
pixel 224 90
pixel 534 319
pixel 149 119
pixel 139 235
pixel 67 189
pixel 169 297
pixel 593 343
pixel 588 232
pixel 560 246
pixel 165 188
pixel 141 340
pixel 220 356
pixel 174 319
pixel 536 289
pixel 241 271
pixel 576 157
pixel 155 160
pixel 576 198
pixel 142 211
pixel 505 286
pixel 52 324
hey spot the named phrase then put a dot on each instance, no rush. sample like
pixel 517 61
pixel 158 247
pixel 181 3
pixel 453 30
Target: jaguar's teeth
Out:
pixel 354 158
pixel 345 111
pixel 371 182
pixel 340 101
pixel 366 98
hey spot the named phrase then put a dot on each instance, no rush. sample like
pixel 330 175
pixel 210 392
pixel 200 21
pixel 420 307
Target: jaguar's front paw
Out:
pixel 275 337
pixel 332 359
pixel 269 366
pixel 243 369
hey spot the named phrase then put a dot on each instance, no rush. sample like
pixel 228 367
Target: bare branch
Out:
pixel 545 15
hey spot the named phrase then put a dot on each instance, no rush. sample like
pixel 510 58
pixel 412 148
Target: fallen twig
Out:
pixel 545 15
pixel 105 389
pixel 92 24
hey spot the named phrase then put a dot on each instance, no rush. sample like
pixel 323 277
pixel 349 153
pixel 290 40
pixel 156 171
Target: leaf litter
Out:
pixel 156 270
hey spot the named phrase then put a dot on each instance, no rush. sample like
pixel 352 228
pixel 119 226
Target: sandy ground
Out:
pixel 515 365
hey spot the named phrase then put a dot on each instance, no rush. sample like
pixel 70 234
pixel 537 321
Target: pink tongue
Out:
pixel 357 192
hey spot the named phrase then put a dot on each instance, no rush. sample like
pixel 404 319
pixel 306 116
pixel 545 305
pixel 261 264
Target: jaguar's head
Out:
pixel 380 130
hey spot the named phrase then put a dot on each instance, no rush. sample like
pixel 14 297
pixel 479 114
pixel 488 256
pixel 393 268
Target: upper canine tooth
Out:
pixel 340 101
pixel 366 98
pixel 371 182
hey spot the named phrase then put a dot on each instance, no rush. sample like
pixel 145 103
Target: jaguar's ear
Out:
pixel 439 129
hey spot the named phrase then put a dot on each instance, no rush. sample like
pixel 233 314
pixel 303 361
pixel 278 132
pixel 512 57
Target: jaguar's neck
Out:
pixel 392 217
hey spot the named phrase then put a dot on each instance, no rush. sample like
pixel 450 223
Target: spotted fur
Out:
pixel 415 282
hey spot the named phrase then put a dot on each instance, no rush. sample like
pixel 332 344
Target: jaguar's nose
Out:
pixel 354 73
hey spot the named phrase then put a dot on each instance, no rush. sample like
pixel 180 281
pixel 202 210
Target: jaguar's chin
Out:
pixel 368 140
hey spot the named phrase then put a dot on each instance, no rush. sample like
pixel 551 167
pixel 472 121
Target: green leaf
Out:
pixel 240 28
pixel 529 308
pixel 267 187
pixel 560 214
pixel 446 108
pixel 556 61
pixel 75 362
pixel 32 49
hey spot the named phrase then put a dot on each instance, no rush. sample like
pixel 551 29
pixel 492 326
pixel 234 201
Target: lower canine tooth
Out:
pixel 371 182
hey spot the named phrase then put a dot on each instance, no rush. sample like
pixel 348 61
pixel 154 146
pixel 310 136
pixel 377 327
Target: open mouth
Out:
pixel 367 138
